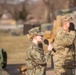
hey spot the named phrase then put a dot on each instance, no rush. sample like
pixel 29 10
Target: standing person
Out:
pixel 35 60
pixel 63 57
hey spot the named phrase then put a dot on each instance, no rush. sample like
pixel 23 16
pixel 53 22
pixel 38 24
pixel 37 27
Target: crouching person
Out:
pixel 36 60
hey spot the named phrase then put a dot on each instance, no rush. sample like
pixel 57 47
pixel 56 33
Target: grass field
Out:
pixel 13 42
pixel 15 46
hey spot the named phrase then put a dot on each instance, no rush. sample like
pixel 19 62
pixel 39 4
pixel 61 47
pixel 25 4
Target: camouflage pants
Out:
pixel 40 71
pixel 62 71
pixel 0 70
pixel 58 67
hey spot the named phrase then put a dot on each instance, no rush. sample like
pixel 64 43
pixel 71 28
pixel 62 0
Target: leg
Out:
pixel 62 71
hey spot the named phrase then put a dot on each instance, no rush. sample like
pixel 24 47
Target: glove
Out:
pixel 72 27
pixel 50 47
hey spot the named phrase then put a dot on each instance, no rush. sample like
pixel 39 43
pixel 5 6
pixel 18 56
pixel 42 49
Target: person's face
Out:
pixel 67 24
pixel 39 38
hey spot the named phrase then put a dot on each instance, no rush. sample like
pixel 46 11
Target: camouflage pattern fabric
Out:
pixel 35 60
pixel 63 58
pixel 1 63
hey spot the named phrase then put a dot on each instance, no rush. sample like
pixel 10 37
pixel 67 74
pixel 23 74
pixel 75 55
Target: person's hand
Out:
pixel 50 47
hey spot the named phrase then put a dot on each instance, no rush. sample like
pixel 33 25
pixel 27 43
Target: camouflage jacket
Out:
pixel 63 45
pixel 35 57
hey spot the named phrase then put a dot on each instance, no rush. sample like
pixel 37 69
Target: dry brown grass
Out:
pixel 13 42
pixel 15 46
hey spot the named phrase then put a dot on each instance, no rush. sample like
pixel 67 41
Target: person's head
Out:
pixel 36 34
pixel 65 20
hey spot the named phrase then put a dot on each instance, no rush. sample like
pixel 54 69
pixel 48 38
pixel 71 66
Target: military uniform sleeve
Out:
pixel 66 38
pixel 1 57
pixel 29 62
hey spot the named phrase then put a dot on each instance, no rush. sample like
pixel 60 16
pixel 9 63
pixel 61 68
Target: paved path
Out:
pixel 11 69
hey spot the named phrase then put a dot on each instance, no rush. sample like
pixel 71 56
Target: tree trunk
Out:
pixel 47 11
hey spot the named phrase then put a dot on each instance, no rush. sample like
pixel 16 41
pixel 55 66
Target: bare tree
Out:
pixel 17 11
pixel 47 11
pixel 72 3
pixel 50 10
pixel 1 7
pixel 53 6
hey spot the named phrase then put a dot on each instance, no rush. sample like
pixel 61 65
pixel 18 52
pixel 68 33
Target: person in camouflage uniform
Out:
pixel 35 59
pixel 63 58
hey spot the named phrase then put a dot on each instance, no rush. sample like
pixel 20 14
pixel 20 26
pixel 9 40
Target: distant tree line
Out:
pixel 17 11
pixel 23 9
